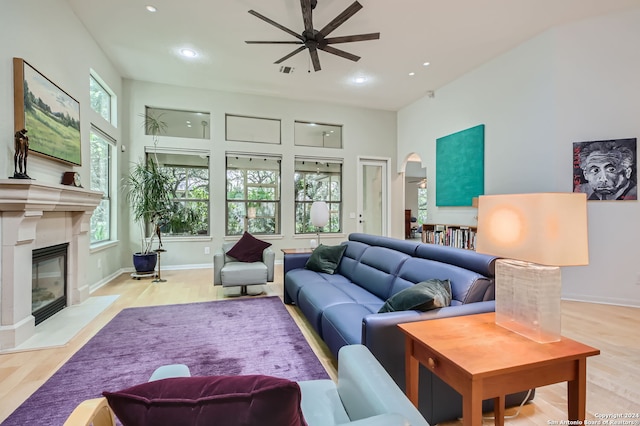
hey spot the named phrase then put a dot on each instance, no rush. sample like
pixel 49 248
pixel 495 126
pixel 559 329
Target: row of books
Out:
pixel 458 236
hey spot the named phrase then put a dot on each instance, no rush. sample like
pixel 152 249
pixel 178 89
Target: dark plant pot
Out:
pixel 145 263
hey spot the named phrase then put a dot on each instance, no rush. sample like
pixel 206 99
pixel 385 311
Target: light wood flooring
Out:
pixel 613 376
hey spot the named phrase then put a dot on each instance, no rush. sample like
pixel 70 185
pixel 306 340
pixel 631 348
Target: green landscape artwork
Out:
pixel 51 117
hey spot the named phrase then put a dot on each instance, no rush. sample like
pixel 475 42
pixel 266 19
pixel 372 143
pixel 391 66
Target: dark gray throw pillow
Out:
pixel 423 296
pixel 325 258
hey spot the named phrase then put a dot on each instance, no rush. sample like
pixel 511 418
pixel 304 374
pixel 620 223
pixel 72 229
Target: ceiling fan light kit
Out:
pixel 315 40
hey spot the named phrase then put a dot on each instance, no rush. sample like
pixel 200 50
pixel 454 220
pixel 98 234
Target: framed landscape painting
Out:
pixel 48 113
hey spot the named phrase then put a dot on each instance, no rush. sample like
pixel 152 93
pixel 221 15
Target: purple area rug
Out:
pixel 227 337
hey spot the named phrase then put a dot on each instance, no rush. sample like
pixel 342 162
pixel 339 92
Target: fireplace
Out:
pixel 48 281
pixel 35 215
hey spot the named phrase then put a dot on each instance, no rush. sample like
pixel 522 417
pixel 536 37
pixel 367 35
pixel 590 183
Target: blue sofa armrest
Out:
pixel 386 342
pixel 294 261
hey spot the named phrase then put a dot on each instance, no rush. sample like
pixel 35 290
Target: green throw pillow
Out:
pixel 325 258
pixel 423 296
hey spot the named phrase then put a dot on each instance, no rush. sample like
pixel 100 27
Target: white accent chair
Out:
pixel 365 395
pixel 229 272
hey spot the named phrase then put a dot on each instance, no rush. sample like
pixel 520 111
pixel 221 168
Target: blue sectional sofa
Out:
pixel 343 307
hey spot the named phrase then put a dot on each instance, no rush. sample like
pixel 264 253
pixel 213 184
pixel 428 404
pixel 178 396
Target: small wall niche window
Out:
pixel 253 194
pixel 103 100
pixel 189 214
pixel 318 134
pixel 181 124
pixel 317 179
pixel 101 147
pixel 252 129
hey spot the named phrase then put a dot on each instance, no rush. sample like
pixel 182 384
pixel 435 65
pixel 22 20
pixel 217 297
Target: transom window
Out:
pixel 253 194
pixel 317 180
pixel 101 147
pixel 102 98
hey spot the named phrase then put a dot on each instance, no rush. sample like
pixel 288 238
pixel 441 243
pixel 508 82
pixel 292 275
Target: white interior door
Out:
pixel 373 205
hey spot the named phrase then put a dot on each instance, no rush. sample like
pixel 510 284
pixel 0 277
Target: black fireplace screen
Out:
pixel 49 281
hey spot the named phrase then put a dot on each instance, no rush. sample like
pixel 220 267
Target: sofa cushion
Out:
pixel 243 273
pixel 377 269
pixel 248 248
pixel 342 324
pixel 325 258
pixel 228 400
pixel 424 296
pixel 466 286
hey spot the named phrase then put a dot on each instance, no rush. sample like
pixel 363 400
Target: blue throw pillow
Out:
pixel 423 296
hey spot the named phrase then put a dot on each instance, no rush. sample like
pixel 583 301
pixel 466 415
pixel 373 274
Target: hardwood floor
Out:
pixel 613 376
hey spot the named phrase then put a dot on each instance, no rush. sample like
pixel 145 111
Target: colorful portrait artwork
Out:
pixel 606 170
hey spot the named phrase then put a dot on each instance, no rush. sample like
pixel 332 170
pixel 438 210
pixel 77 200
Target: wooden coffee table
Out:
pixel 482 360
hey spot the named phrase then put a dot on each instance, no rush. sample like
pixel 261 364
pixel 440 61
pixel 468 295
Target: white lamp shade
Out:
pixel 544 228
pixel 319 214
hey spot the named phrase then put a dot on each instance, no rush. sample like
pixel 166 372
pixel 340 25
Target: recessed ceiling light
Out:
pixel 412 74
pixel 151 8
pixel 360 79
pixel 426 64
pixel 189 53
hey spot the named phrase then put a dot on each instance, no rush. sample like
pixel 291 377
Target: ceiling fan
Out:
pixel 313 39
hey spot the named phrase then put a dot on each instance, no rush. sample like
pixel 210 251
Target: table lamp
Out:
pixel 319 216
pixel 536 233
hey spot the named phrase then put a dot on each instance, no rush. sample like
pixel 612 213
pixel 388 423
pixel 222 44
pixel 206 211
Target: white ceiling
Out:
pixel 455 36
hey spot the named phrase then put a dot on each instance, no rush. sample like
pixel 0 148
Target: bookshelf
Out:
pixel 460 236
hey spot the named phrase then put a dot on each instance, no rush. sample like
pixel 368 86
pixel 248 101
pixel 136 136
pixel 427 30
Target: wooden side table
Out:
pixel 482 360
pixel 302 250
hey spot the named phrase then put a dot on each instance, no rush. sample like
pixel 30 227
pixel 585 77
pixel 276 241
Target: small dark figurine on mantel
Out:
pixel 21 146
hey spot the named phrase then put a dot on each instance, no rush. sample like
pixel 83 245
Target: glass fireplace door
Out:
pixel 48 281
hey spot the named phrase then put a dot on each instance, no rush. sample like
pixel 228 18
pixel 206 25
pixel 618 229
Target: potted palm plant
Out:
pixel 148 191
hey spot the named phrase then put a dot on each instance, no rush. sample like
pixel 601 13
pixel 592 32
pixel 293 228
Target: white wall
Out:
pixel 365 132
pixel 48 35
pixel 574 83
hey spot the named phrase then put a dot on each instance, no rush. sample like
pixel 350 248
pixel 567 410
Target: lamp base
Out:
pixel 528 299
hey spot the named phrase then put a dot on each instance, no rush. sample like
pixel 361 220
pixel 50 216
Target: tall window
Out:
pixel 422 205
pixel 253 194
pixel 101 147
pixel 102 99
pixel 190 194
pixel 317 180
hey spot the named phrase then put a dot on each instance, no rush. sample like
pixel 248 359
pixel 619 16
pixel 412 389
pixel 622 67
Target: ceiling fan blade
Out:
pixel 349 39
pixel 295 52
pixel 273 42
pixel 275 24
pixel 340 53
pixel 307 15
pixel 340 19
pixel 315 59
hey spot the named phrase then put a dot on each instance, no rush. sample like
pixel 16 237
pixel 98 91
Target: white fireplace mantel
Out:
pixel 27 209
